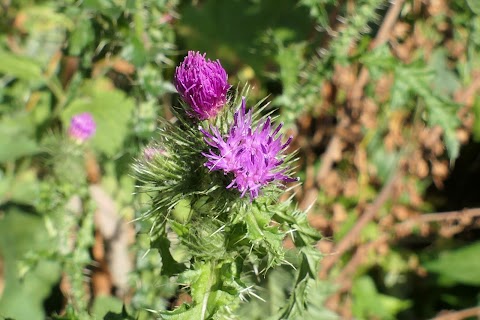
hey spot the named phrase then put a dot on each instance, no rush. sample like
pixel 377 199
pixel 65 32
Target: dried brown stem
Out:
pixel 381 38
pixel 329 157
pixel 443 216
pixel 345 276
pixel 458 315
pixel 349 240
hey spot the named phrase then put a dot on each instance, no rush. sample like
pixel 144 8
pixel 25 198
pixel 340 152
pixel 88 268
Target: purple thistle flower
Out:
pixel 253 156
pixel 202 84
pixel 82 127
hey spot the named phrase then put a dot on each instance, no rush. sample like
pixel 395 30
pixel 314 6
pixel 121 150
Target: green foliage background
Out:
pixel 415 119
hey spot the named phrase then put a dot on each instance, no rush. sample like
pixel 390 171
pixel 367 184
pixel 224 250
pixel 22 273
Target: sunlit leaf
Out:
pixel 368 303
pixel 22 232
pixel 19 66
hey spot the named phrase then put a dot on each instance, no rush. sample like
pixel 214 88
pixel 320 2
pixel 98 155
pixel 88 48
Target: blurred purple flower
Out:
pixel 202 84
pixel 82 127
pixel 253 156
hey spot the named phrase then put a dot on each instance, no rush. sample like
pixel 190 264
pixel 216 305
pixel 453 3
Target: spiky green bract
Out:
pixel 207 235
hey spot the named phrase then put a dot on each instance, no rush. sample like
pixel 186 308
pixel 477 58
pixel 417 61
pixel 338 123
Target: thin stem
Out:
pixel 458 315
pixel 207 292
pixel 349 240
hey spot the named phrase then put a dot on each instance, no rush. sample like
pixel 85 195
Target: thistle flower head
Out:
pixel 202 84
pixel 82 127
pixel 252 155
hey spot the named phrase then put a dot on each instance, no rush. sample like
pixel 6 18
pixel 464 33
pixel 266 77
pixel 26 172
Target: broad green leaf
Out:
pixel 461 265
pixel 103 305
pixel 13 149
pixel 16 137
pixel 20 67
pixel 22 188
pixel 182 211
pixel 81 37
pixel 368 303
pixel 22 232
pixel 474 6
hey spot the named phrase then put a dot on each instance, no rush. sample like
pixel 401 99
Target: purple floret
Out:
pixel 202 84
pixel 82 127
pixel 253 156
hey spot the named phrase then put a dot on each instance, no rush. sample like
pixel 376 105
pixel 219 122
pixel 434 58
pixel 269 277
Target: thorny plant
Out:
pixel 215 183
pixel 380 96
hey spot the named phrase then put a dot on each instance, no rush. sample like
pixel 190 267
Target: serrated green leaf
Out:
pixel 184 312
pixel 310 262
pixel 169 265
pixel 378 61
pixel 199 279
pixel 441 111
pixel 413 79
pixel 443 114
pixel 446 81
pixel 254 230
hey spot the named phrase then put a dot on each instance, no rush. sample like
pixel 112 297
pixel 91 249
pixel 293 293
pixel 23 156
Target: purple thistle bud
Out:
pixel 253 156
pixel 82 127
pixel 202 84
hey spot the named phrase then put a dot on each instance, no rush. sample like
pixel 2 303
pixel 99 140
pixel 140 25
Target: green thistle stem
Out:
pixel 208 290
